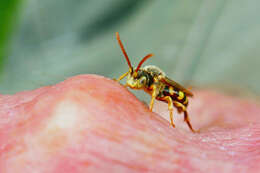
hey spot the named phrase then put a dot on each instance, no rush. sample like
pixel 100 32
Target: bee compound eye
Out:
pixel 143 80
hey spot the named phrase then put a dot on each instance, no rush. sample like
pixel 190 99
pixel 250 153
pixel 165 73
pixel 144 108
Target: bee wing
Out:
pixel 171 82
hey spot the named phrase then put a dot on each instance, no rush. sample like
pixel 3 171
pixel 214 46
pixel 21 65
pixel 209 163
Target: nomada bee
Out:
pixel 154 81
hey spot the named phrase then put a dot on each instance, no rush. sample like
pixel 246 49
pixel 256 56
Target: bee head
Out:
pixel 136 80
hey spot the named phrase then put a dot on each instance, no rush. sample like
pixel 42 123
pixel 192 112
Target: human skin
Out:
pixel 89 123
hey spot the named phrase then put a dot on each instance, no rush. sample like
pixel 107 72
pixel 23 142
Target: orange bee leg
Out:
pixel 170 107
pixel 187 120
pixel 186 116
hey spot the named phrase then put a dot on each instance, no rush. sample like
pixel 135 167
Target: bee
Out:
pixel 153 80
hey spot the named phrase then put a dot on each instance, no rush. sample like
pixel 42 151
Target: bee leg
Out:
pixel 151 103
pixel 170 107
pixel 122 76
pixel 186 116
pixel 187 120
pixel 154 94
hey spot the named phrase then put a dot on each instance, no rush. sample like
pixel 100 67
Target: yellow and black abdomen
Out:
pixel 175 95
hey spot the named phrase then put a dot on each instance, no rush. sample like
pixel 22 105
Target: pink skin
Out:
pixel 92 124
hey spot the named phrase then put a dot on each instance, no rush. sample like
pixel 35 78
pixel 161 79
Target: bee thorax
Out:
pixel 153 70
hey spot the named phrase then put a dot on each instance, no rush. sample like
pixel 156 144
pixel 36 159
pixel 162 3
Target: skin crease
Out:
pixel 92 124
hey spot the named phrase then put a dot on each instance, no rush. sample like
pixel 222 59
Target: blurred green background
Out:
pixel 196 42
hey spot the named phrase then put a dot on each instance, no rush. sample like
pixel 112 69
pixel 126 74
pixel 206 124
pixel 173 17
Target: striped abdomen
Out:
pixel 175 95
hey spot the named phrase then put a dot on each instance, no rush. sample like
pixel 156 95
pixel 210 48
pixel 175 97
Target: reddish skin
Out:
pixel 92 124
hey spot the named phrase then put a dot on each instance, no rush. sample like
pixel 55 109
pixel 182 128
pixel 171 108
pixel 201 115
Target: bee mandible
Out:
pixel 154 81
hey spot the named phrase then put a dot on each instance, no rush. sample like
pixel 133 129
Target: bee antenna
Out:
pixel 143 60
pixel 123 50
